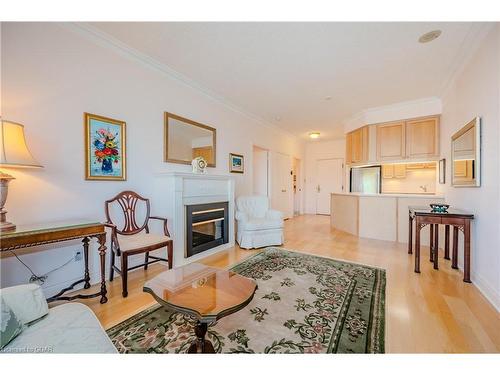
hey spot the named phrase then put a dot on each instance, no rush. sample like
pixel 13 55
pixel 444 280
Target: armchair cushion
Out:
pixel 26 301
pixel 141 240
pixel 260 224
pixel 274 215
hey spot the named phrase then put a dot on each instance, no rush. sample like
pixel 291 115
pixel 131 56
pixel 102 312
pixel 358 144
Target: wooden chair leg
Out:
pixel 146 260
pixel 112 266
pixel 124 274
pixel 170 254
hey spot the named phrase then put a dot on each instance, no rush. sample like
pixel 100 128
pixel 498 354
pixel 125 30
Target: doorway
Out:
pixel 260 171
pixel 297 187
pixel 330 179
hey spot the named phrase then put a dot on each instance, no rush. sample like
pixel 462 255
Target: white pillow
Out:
pixel 26 301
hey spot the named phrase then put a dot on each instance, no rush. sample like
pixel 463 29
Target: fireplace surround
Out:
pixel 182 194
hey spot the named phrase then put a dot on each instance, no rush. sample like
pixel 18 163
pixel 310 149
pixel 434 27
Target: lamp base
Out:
pixel 5 226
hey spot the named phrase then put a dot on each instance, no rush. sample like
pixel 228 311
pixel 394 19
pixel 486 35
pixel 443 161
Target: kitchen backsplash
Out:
pixel 417 181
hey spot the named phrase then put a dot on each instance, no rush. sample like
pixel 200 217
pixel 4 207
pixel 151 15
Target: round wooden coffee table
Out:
pixel 205 293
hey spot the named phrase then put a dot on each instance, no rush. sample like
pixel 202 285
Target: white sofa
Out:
pixel 67 328
pixel 258 225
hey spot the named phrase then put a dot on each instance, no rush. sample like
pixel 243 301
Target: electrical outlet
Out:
pixel 78 256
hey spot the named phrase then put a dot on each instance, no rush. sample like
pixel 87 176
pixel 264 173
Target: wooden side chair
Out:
pixel 133 239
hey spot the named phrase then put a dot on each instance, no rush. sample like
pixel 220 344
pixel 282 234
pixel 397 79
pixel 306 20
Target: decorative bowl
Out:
pixel 439 207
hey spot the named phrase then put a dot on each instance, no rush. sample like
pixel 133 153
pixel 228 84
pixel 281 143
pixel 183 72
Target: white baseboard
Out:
pixel 487 291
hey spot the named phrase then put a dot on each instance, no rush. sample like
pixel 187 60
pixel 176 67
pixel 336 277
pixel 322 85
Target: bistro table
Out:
pixel 204 293
pixel 25 236
pixel 460 220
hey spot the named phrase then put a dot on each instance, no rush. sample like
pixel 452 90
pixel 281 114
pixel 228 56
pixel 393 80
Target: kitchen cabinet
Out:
pixel 422 138
pixel 348 148
pixel 421 166
pixel 398 141
pixel 414 139
pixel 394 171
pixel 357 143
pixel 391 143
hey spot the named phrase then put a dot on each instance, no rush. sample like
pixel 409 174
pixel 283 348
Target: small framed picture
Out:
pixel 105 157
pixel 442 171
pixel 236 163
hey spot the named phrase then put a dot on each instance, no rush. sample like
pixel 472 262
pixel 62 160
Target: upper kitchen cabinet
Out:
pixel 422 138
pixel 357 143
pixel 391 143
pixel 397 141
pixel 416 139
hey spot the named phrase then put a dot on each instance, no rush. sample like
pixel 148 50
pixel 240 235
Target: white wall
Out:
pixel 475 92
pixel 260 171
pixel 315 151
pixel 51 74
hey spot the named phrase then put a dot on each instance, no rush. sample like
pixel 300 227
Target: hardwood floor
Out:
pixel 431 312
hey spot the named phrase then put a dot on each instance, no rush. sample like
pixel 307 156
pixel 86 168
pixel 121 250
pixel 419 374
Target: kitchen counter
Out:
pixel 377 216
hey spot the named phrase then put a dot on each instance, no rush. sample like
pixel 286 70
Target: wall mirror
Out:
pixel 186 139
pixel 466 155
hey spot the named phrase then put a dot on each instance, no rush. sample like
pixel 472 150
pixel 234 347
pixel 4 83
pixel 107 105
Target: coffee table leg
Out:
pixel 201 345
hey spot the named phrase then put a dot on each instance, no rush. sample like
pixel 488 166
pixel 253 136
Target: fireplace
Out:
pixel 206 227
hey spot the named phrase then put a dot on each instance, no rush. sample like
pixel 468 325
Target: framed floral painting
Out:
pixel 104 148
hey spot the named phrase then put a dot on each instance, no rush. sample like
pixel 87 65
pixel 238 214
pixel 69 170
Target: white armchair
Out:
pixel 258 225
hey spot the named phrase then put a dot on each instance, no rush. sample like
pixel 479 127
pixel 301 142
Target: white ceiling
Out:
pixel 285 70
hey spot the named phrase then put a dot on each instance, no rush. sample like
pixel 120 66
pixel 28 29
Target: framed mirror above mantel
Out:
pixel 466 155
pixel 187 139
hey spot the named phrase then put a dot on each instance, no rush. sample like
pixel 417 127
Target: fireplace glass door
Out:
pixel 206 226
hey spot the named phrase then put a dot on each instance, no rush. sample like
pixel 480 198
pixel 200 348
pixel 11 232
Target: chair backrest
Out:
pixel 254 206
pixel 128 200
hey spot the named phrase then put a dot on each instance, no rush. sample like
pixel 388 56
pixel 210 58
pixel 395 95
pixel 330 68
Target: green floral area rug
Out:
pixel 304 304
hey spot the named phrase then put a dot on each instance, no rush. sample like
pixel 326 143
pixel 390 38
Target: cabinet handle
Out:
pixel 283 190
pixel 318 189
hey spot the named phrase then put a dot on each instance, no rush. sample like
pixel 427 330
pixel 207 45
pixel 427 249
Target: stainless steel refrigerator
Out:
pixel 366 180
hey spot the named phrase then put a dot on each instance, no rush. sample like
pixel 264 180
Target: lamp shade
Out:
pixel 13 149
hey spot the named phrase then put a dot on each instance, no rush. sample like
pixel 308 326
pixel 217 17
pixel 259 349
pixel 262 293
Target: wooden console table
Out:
pixel 460 220
pixel 35 235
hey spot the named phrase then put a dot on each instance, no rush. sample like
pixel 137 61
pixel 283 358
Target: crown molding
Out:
pixel 467 50
pixel 105 40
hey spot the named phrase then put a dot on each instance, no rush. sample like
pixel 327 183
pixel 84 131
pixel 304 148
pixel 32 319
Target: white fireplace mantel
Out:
pixel 178 189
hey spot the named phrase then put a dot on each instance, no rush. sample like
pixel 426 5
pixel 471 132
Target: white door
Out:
pixel 281 184
pixel 329 178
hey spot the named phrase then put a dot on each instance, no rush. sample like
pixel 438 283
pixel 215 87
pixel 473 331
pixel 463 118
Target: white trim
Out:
pixel 108 41
pixel 487 291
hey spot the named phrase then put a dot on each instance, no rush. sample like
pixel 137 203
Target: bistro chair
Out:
pixel 133 238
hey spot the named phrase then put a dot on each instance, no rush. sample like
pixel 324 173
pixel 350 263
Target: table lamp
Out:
pixel 14 153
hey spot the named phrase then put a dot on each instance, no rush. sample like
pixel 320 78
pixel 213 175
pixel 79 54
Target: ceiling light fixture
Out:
pixel 430 36
pixel 314 135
